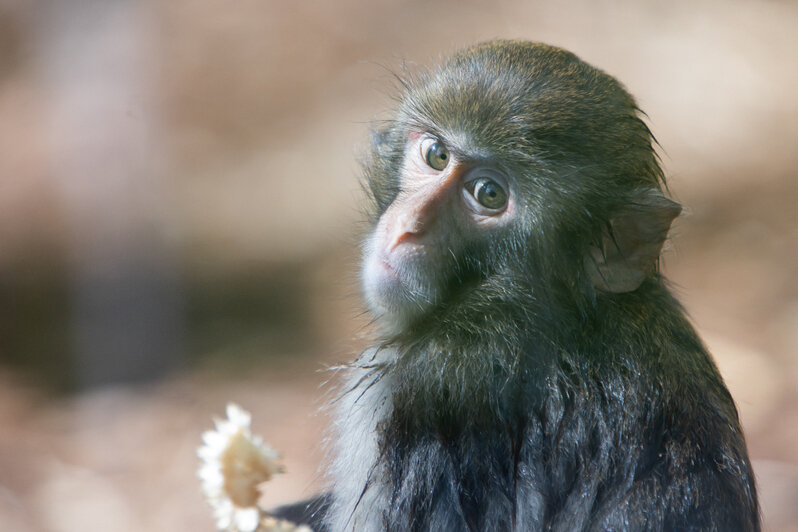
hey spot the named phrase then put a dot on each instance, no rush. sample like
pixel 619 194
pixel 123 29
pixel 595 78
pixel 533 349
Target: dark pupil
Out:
pixel 490 194
pixel 437 156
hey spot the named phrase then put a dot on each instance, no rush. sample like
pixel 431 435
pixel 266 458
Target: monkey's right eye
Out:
pixel 435 153
pixel 488 193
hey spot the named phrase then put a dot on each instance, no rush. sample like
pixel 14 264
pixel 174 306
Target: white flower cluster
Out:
pixel 234 463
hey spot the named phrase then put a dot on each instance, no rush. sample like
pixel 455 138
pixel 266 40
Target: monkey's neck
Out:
pixel 470 366
pixel 458 403
pixel 454 382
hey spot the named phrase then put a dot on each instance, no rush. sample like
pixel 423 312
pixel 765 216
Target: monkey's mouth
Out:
pixel 381 273
pixel 380 277
pixel 387 287
pixel 387 269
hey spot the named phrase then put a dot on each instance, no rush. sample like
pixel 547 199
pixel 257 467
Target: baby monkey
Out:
pixel 533 370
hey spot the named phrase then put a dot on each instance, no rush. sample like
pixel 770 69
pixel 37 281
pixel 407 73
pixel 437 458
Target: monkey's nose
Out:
pixel 411 218
pixel 406 227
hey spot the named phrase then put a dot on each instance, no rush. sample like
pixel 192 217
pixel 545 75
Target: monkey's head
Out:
pixel 513 168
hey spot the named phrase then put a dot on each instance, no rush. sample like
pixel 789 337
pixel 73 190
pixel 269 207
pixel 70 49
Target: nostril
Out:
pixel 407 227
pixel 410 237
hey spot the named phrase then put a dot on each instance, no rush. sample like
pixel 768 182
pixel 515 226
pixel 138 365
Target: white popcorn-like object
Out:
pixel 234 462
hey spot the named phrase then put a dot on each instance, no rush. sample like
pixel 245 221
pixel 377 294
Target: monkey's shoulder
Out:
pixel 664 425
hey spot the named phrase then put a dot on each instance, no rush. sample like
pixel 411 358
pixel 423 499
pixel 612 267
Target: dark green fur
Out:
pixel 528 399
pixel 606 403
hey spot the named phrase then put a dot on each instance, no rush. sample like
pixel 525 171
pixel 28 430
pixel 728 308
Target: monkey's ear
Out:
pixel 631 244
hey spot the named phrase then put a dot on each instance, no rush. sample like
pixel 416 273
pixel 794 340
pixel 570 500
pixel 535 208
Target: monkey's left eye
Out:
pixel 435 153
pixel 488 193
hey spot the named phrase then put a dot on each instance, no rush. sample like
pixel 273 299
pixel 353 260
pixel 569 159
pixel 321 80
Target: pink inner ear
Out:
pixel 630 253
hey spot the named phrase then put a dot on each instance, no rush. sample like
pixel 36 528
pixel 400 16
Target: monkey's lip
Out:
pixel 383 285
pixel 385 273
pixel 387 267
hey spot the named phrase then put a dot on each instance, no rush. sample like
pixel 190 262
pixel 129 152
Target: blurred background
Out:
pixel 180 211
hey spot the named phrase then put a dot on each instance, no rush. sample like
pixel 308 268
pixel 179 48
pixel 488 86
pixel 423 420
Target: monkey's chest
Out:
pixel 531 475
pixel 465 481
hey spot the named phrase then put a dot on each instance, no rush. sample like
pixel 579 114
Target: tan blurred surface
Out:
pixel 179 211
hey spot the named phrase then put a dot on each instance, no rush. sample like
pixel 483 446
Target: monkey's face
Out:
pixel 444 209
pixel 512 172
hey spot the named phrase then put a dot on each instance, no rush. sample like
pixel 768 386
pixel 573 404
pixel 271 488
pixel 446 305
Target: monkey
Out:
pixel 532 369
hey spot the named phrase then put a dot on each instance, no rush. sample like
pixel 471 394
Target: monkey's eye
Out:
pixel 435 153
pixel 488 193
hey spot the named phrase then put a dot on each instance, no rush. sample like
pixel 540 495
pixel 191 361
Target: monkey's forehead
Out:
pixel 507 91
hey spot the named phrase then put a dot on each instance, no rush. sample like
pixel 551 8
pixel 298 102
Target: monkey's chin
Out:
pixel 391 295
